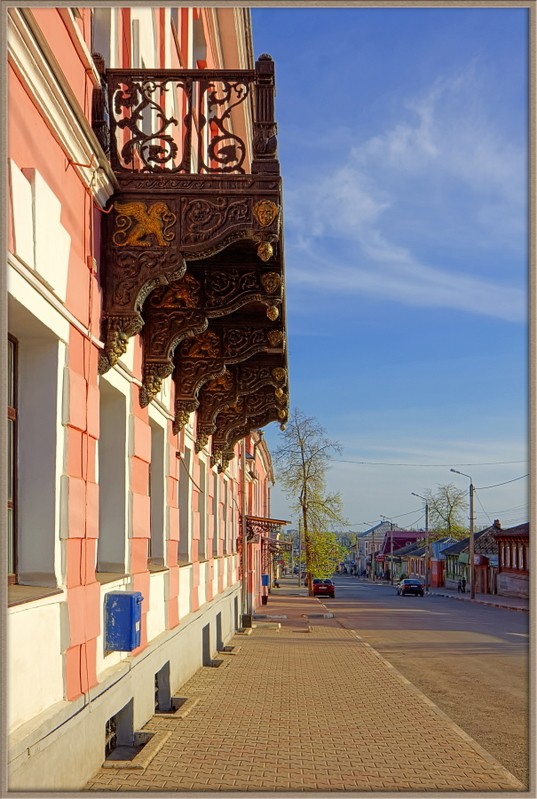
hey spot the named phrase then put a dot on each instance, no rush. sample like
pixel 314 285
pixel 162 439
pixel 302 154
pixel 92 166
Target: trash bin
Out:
pixel 264 599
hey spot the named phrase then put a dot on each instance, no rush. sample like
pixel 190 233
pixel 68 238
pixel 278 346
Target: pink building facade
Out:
pixel 120 481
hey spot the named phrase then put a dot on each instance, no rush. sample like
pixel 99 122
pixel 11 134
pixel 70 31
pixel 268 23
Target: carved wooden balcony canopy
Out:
pixel 192 253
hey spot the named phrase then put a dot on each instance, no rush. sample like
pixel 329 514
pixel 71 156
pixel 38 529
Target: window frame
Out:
pixel 12 415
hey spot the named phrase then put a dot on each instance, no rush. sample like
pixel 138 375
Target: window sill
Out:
pixel 109 577
pixel 156 567
pixel 19 594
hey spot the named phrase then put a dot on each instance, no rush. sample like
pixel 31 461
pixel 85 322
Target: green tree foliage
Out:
pixel 326 553
pixel 447 509
pixel 301 463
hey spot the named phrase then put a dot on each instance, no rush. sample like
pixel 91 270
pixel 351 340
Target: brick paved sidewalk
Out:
pixel 305 711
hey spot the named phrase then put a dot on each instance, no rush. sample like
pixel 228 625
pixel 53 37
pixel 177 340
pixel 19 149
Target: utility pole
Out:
pixel 472 542
pixel 373 564
pixel 471 546
pixel 427 542
pixel 386 519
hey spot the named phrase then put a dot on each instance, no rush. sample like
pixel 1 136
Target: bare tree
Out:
pixel 301 463
pixel 447 508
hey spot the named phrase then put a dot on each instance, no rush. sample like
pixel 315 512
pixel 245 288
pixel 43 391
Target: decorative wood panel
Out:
pixel 225 439
pixel 236 421
pixel 211 288
pixel 229 340
pixel 241 380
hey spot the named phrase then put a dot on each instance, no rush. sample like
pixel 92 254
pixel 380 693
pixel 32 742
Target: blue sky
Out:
pixel 403 147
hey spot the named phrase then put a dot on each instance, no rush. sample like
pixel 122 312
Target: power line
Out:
pixel 484 511
pixel 512 521
pixel 512 510
pixel 418 520
pixel 439 465
pixel 400 515
pixel 482 488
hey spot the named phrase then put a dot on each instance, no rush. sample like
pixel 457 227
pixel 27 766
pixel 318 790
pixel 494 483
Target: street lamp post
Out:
pixel 471 547
pixel 391 546
pixel 427 542
pixel 372 548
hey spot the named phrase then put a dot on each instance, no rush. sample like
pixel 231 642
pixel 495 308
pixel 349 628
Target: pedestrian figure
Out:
pixel 463 584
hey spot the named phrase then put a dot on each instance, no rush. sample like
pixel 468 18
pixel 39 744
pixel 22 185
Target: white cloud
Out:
pixel 451 176
pixel 406 146
pixel 449 131
pixel 393 274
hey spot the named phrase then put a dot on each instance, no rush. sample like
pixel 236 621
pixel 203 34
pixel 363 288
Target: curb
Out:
pixel 456 728
pixel 481 602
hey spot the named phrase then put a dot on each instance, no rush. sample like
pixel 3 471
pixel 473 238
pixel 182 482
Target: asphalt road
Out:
pixel 469 659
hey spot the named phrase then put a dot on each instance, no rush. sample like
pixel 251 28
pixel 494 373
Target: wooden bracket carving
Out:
pixel 240 380
pixel 228 340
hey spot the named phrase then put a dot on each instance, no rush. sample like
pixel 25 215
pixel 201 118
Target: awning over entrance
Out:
pixel 264 530
pixel 262 526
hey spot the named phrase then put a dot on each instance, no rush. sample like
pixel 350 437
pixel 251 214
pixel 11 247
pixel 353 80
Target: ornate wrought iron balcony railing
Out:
pixel 187 121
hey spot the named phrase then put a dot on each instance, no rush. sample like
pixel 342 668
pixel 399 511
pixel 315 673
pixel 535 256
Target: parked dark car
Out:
pixel 410 586
pixel 324 588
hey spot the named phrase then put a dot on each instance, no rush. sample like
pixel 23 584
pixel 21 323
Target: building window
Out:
pixel 12 460
pixel 181 24
pixel 112 541
pixel 216 514
pixel 202 512
pixel 156 494
pixel 199 45
pixel 185 523
pixel 227 524
pixel 35 362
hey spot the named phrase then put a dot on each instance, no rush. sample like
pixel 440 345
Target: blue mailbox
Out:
pixel 123 616
pixel 264 579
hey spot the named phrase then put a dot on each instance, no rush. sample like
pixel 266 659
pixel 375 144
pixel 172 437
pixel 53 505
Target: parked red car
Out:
pixel 324 588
